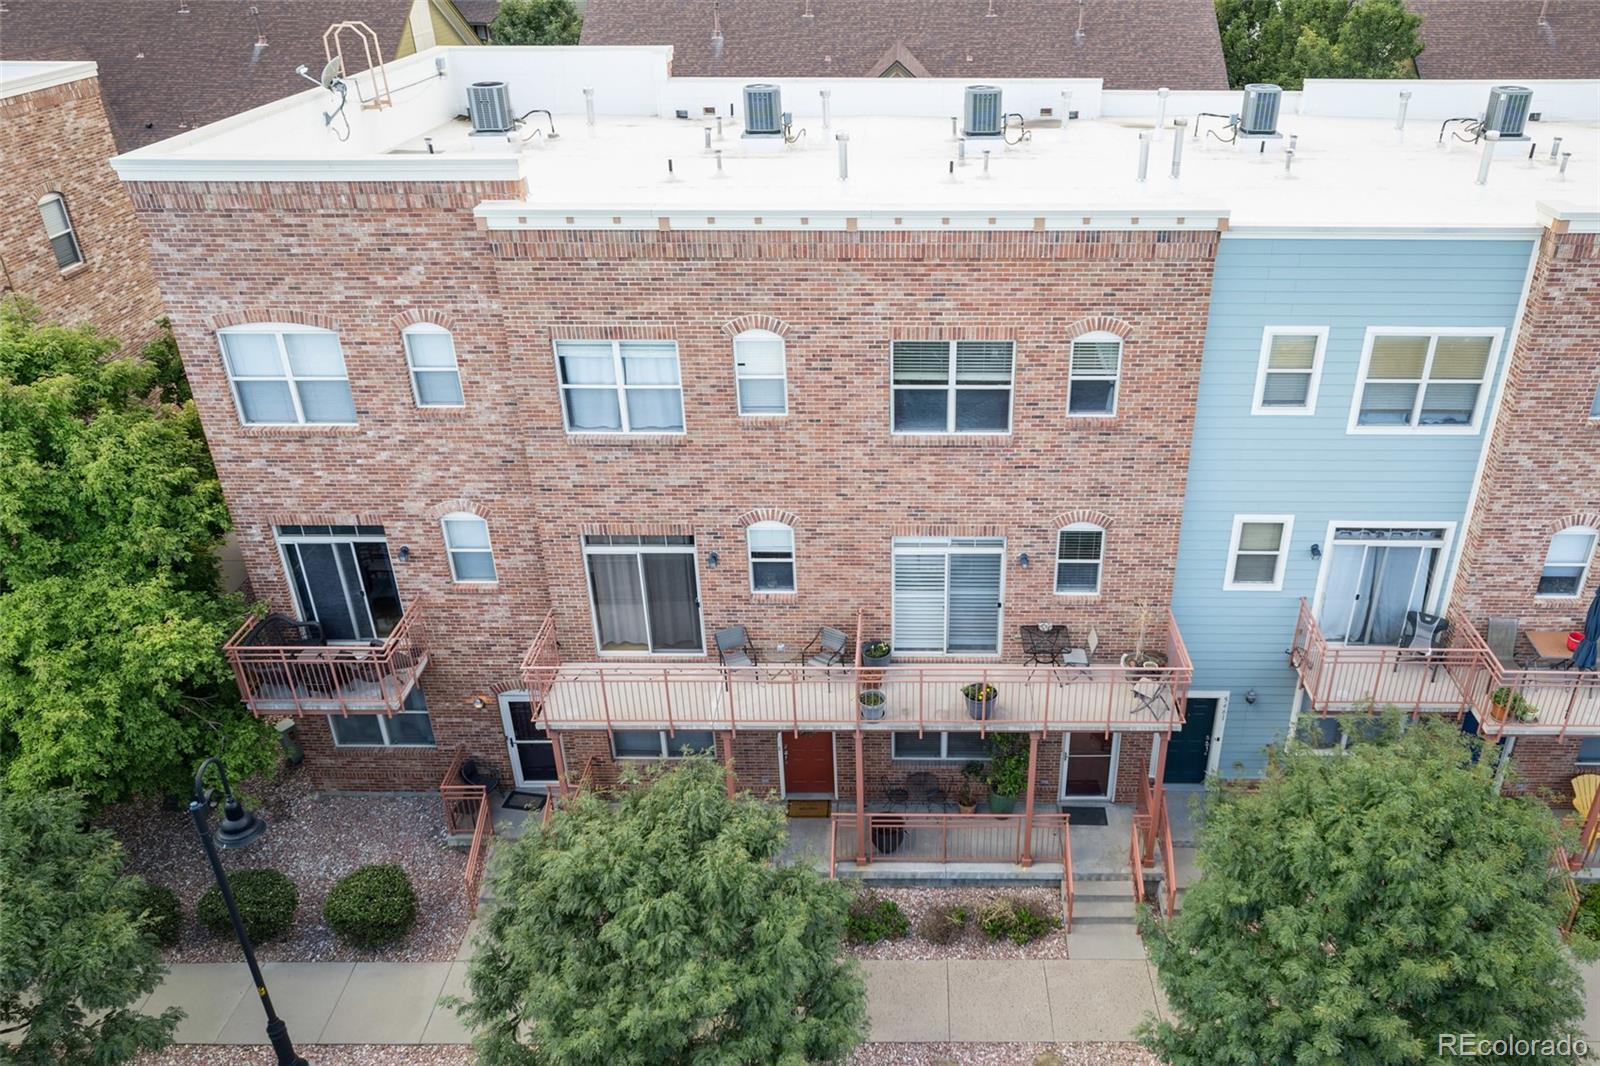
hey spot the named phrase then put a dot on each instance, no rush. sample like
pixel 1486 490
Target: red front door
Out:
pixel 808 763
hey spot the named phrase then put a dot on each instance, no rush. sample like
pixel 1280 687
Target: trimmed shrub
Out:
pixel 267 901
pixel 1016 920
pixel 163 914
pixel 873 918
pixel 373 906
pixel 943 926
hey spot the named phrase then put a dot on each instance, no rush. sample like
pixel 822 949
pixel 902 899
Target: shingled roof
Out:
pixel 167 66
pixel 1509 38
pixel 1131 44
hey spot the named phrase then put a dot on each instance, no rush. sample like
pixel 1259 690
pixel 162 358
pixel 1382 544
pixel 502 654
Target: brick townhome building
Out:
pixel 513 429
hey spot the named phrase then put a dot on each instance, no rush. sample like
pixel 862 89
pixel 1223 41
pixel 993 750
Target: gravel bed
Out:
pixel 314 840
pixel 1002 1055
pixel 972 944
pixel 318 1054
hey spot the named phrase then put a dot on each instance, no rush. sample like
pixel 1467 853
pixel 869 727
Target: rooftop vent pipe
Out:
pixel 1258 113
pixel 844 155
pixel 1489 139
pixel 825 94
pixel 1144 153
pixel 588 105
pixel 1400 114
pixel 1161 115
pixel 1177 144
pixel 982 113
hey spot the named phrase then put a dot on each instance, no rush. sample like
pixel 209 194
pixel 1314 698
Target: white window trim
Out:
pixel 951 388
pixel 587 550
pixel 944 748
pixel 1100 563
pixel 794 567
pixel 1496 334
pixel 277 330
pixel 738 375
pixel 451 551
pixel 1257 407
pixel 70 231
pixel 1583 575
pixel 1239 520
pixel 1097 336
pixel 661 737
pixel 620 388
pixel 413 370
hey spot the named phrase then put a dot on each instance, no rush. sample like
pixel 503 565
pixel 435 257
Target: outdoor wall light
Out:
pixel 1250 695
pixel 712 560
pixel 1023 561
pixel 480 702
pixel 1316 551
pixel 405 552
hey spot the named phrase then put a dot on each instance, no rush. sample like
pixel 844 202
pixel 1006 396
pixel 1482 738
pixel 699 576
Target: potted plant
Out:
pixel 1508 703
pixel 872 702
pixel 980 699
pixel 1139 659
pixel 1007 777
pixel 875 653
pixel 966 802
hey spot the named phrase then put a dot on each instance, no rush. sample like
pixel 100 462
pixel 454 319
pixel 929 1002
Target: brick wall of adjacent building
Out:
pixel 57 140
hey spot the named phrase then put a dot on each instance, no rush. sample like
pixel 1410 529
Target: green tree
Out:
pixel 77 952
pixel 112 681
pixel 1356 907
pixel 661 930
pixel 536 22
pixel 1288 41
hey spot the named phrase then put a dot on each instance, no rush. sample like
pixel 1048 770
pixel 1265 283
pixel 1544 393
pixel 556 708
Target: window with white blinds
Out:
pixel 771 547
pixel 758 367
pixel 1257 552
pixel 951 386
pixel 1079 548
pixel 1290 370
pixel 1566 564
pixel 1095 371
pixel 1429 381
pixel 620 386
pixel 946 595
pixel 58 228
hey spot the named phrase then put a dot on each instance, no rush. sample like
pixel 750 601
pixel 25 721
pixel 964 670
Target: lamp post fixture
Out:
pixel 239 828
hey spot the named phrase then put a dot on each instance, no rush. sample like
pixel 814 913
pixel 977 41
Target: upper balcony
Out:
pixel 286 667
pixel 657 694
pixel 1453 676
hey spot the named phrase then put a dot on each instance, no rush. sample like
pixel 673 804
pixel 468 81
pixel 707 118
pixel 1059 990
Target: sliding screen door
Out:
pixel 946 596
pixel 645 594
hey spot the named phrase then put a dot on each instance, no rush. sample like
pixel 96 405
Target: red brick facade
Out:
pixel 57 140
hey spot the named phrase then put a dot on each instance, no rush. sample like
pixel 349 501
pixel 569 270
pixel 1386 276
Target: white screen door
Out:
pixel 947 595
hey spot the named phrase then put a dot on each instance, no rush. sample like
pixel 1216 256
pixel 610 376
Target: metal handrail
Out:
pixel 1069 891
pixel 959 837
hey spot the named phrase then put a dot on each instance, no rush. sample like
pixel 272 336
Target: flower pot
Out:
pixel 967 808
pixel 1497 711
pixel 977 709
pixel 873 711
pixel 874 660
pixel 1002 804
pixel 888 835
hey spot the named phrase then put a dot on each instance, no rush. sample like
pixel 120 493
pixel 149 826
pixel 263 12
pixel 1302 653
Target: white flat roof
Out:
pixel 18 76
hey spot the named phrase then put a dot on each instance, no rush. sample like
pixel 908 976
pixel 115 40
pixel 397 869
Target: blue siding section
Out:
pixel 1311 467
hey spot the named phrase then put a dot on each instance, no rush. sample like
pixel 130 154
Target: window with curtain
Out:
pixel 58 228
pixel 1096 368
pixel 620 386
pixel 287 375
pixel 645 593
pixel 410 728
pixel 771 546
pixel 760 373
pixel 1566 564
pixel 951 386
pixel 431 356
pixel 1290 370
pixel 1079 548
pixel 1257 553
pixel 466 542
pixel 1418 380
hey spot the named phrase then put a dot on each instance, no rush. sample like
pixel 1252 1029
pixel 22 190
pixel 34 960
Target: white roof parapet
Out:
pixel 18 77
pixel 512 215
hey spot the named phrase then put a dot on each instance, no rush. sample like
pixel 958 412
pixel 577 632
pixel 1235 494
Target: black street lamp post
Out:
pixel 239 828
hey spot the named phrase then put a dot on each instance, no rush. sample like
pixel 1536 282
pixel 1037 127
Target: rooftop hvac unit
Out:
pixel 982 114
pixel 1258 113
pixel 489 104
pixel 1508 110
pixel 763 111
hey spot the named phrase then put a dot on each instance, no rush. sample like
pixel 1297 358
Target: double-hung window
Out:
pixel 410 728
pixel 771 547
pixel 1093 376
pixel 951 386
pixel 1257 552
pixel 431 355
pixel 620 386
pixel 466 541
pixel 287 375
pixel 1566 564
pixel 758 367
pixel 946 595
pixel 943 747
pixel 1436 381
pixel 1290 370
pixel 1080 549
pixel 659 744
pixel 58 228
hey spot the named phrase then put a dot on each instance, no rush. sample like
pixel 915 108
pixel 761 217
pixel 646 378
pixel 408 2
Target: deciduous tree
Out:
pixel 1287 41
pixel 536 22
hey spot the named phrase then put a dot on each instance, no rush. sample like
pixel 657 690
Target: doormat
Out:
pixel 1086 815
pixel 810 808
pixel 524 801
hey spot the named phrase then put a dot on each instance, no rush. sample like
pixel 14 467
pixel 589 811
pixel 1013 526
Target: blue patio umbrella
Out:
pixel 1583 656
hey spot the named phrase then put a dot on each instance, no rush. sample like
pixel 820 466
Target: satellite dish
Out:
pixel 331 71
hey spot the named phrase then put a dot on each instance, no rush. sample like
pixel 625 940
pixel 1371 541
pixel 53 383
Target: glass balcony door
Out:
pixel 947 595
pixel 344 583
pixel 645 594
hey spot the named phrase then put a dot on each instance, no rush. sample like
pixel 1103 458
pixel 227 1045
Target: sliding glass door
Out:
pixel 644 593
pixel 342 580
pixel 1375 576
pixel 947 595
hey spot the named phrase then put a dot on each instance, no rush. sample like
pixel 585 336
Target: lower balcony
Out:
pixel 1537 689
pixel 285 667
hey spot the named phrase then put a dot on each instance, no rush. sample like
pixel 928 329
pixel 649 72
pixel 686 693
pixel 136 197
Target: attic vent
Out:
pixel 982 112
pixel 489 104
pixel 1258 114
pixel 763 111
pixel 1508 110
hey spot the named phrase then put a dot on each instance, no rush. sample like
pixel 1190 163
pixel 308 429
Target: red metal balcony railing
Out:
pixel 466 809
pixel 276 676
pixel 656 694
pixel 1354 678
pixel 1552 703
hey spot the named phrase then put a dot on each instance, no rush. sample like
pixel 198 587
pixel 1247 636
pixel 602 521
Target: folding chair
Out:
pixel 826 648
pixel 734 647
